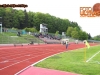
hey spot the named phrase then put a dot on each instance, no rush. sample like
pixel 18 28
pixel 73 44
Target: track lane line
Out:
pixel 25 60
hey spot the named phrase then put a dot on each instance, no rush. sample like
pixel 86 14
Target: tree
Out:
pixel 76 29
pixel 33 30
pixel 57 33
pixel 21 19
pixel 69 31
pixel 89 36
pixel 8 18
pixel 31 19
pixel 83 35
pixel 97 38
pixel 30 29
pixel 75 34
pixel 25 19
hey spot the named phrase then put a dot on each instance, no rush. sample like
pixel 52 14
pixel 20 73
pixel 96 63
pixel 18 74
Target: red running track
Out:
pixel 14 59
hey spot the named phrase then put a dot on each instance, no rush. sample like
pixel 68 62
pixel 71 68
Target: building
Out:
pixel 43 28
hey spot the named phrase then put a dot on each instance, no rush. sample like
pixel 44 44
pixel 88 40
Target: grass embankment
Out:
pixel 11 38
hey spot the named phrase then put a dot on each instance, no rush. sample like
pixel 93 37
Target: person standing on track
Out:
pixel 67 44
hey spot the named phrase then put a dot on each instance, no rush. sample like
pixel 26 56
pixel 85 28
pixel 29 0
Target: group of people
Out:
pixel 76 42
pixel 66 42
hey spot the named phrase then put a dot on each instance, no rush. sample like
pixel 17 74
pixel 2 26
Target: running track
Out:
pixel 14 59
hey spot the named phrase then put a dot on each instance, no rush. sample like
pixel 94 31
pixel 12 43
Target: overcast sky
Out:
pixel 69 9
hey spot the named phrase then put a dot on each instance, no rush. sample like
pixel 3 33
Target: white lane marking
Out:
pixel 13 58
pixel 4 61
pixel 27 55
pixel 93 56
pixel 36 63
pixel 23 61
pixel 28 46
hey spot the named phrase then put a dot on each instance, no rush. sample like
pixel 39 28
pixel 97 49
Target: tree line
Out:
pixel 22 19
pixel 76 33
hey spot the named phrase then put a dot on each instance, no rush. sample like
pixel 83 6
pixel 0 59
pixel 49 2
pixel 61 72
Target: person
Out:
pixel 32 42
pixel 29 33
pixel 67 44
pixel 76 41
pixel 18 33
pixel 84 41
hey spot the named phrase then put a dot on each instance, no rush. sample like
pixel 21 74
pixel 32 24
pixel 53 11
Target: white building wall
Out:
pixel 42 28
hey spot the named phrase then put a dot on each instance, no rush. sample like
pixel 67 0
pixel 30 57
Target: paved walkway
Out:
pixel 42 71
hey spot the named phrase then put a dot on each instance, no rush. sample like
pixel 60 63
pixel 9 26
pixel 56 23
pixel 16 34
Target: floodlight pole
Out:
pixel 1 24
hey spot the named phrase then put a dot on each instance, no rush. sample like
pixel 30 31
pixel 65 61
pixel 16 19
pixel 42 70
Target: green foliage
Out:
pixel 89 36
pixel 75 34
pixel 76 29
pixel 26 29
pixel 30 29
pixel 11 38
pixel 21 19
pixel 97 38
pixel 30 21
pixel 83 35
pixel 33 30
pixel 69 31
pixel 14 28
pixel 57 33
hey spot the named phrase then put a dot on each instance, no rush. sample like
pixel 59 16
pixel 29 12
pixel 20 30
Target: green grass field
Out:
pixel 74 61
pixel 12 38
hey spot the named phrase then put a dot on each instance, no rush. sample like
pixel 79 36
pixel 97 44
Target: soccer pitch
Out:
pixel 76 61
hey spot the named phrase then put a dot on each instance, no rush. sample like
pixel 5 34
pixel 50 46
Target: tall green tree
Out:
pixel 25 19
pixel 31 18
pixel 96 38
pixel 69 31
pixel 57 33
pixel 75 34
pixel 89 36
pixel 7 22
pixel 83 35
pixel 21 17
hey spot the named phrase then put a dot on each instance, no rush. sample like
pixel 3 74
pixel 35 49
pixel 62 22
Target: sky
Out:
pixel 65 9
